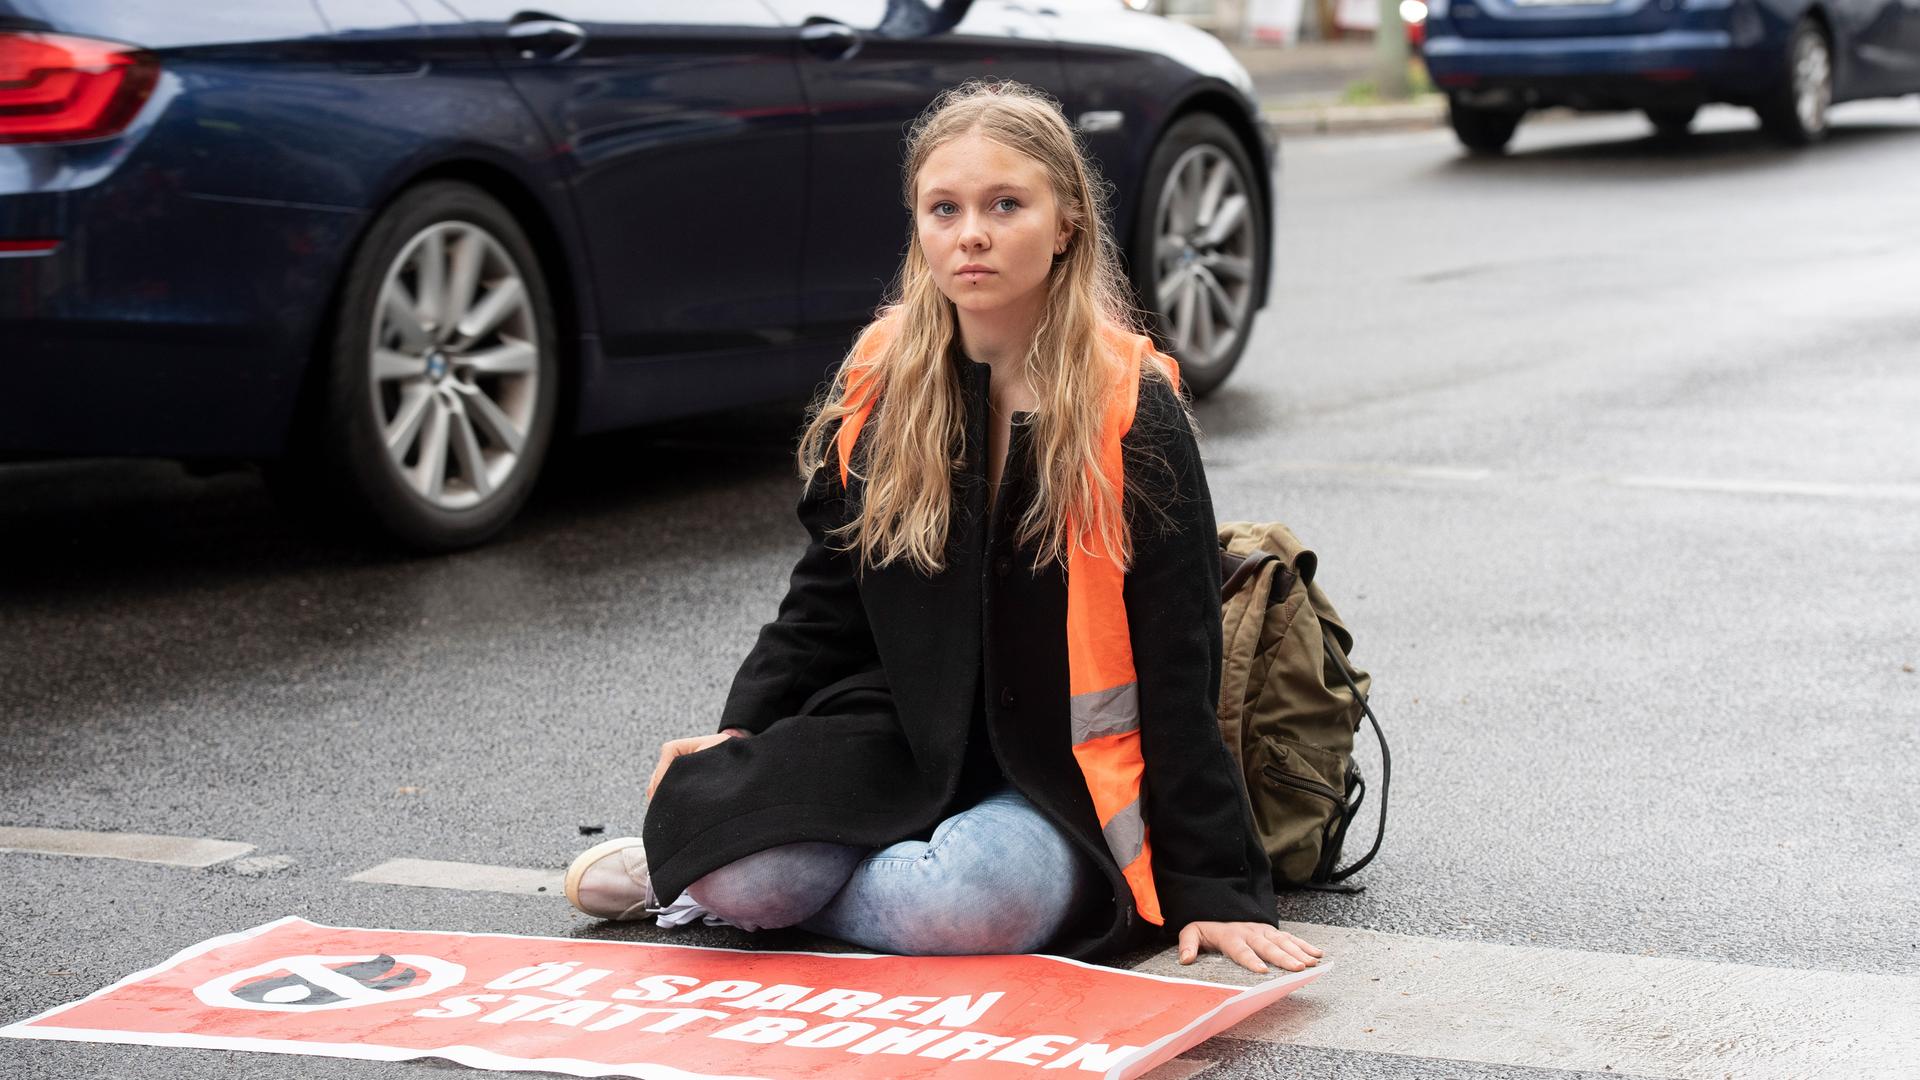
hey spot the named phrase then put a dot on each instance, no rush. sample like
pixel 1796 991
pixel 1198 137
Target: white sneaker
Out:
pixel 609 880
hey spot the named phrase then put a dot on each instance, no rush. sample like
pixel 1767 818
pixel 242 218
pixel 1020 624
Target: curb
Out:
pixel 1336 119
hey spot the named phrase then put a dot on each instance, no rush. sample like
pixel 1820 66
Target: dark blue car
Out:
pixel 1788 60
pixel 398 246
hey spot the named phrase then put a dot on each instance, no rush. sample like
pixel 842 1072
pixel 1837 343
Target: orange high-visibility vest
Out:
pixel 1104 707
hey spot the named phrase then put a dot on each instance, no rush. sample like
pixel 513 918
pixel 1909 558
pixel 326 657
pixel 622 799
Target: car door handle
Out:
pixel 535 36
pixel 828 39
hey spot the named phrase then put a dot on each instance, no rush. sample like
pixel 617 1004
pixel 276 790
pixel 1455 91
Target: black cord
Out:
pixel 1386 759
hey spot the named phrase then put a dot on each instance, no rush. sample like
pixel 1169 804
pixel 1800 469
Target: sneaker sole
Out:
pixel 578 868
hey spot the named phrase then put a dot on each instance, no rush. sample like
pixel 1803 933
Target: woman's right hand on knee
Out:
pixel 674 748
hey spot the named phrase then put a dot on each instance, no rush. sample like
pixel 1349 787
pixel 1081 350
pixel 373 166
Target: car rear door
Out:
pixel 685 129
pixel 866 78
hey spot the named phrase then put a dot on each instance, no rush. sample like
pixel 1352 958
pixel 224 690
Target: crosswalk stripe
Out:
pixel 138 847
pixel 475 877
pixel 1594 1012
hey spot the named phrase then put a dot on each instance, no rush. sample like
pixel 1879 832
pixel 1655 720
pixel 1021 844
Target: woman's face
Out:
pixel 988 223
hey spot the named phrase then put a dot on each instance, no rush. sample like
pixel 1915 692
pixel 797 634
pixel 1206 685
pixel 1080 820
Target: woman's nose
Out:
pixel 973 232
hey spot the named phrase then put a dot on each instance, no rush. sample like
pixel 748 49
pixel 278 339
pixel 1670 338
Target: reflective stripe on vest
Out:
pixel 1104 707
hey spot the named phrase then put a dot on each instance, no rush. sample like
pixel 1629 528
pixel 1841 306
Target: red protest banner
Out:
pixel 660 1012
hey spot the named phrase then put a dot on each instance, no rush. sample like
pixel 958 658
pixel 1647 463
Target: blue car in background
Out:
pixel 397 247
pixel 1788 60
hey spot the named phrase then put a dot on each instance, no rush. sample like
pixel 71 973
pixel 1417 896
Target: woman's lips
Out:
pixel 975 275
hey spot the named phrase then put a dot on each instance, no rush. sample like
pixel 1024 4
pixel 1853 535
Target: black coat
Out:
pixel 860 693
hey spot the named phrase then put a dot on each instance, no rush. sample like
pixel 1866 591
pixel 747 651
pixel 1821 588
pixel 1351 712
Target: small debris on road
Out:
pixel 259 866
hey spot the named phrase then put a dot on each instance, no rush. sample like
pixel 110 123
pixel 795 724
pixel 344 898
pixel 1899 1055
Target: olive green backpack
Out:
pixel 1290 704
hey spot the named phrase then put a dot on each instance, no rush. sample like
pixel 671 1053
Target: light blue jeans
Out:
pixel 994 878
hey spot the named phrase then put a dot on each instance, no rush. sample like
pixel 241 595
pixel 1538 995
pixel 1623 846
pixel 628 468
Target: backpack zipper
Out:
pixel 1312 787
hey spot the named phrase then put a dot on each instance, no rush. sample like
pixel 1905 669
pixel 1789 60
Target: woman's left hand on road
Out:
pixel 1252 945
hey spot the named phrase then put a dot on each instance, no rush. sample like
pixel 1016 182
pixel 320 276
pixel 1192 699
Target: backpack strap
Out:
pixel 1243 569
pixel 1386 764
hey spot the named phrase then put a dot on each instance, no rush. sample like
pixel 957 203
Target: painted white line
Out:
pixel 1805 489
pixel 1447 472
pixel 474 877
pixel 1594 1012
pixel 1802 488
pixel 138 847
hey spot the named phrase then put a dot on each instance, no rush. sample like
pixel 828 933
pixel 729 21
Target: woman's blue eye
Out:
pixel 1007 199
pixel 941 208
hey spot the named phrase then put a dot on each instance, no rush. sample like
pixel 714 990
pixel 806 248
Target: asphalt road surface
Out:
pixel 1608 447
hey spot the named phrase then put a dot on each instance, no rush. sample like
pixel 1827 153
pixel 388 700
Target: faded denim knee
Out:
pixel 777 887
pixel 990 917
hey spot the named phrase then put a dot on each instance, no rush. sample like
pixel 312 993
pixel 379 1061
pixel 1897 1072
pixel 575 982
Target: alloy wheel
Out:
pixel 1203 264
pixel 1812 81
pixel 455 364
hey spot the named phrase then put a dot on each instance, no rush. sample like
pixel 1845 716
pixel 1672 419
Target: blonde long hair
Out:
pixel 914 441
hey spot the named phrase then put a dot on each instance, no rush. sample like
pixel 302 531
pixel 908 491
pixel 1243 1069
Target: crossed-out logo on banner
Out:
pixel 314 983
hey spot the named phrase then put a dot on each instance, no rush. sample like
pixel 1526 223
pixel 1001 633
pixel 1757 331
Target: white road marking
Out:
pixel 138 847
pixel 1809 489
pixel 1805 488
pixel 1446 472
pixel 1560 1009
pixel 475 877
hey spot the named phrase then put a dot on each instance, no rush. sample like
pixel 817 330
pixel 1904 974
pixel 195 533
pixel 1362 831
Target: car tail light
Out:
pixel 60 88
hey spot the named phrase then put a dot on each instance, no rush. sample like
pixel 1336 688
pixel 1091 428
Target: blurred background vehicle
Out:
pixel 396 248
pixel 1788 60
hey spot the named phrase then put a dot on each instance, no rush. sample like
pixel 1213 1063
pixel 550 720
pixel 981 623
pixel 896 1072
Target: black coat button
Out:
pixel 1006 697
pixel 1003 566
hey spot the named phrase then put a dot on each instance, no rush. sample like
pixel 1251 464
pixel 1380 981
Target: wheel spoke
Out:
pixel 1232 211
pixel 1231 266
pixel 414 402
pixel 468 251
pixel 1203 319
pixel 504 299
pixel 509 358
pixel 430 475
pixel 1217 179
pixel 1217 297
pixel 1185 312
pixel 466 449
pixel 1190 193
pixel 390 364
pixel 399 314
pixel 1169 285
pixel 496 423
pixel 430 272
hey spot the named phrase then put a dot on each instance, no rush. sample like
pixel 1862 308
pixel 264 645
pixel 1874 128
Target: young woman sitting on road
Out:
pixel 983 721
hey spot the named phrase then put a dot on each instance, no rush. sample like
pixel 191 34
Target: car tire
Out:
pixel 1483 131
pixel 1198 253
pixel 442 373
pixel 1796 112
pixel 1673 124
